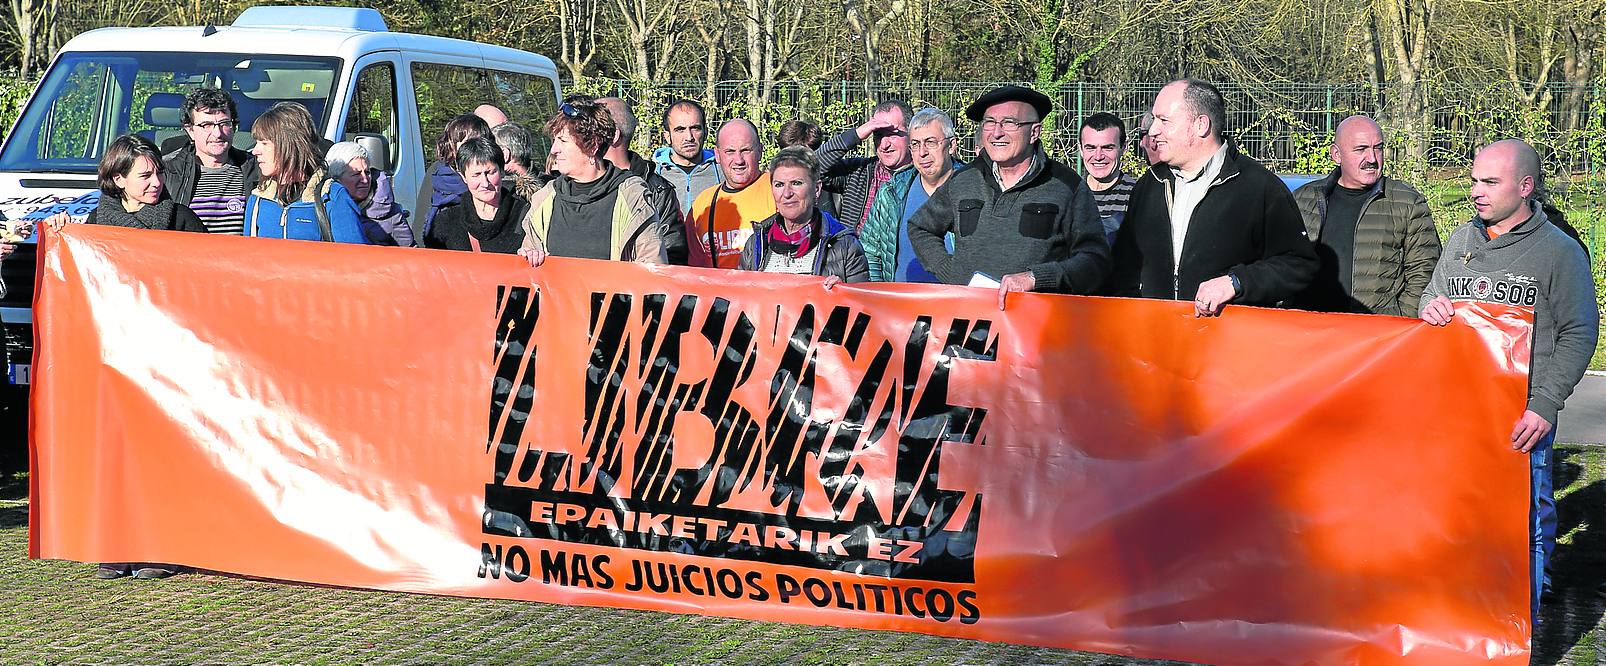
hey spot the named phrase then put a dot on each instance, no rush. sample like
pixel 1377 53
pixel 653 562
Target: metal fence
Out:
pixel 1288 126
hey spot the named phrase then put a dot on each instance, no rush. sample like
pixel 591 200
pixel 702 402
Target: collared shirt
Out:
pixel 998 172
pixel 1187 192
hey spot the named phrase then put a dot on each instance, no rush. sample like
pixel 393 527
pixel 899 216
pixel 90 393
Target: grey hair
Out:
pixel 516 140
pixel 931 115
pixel 798 156
pixel 340 155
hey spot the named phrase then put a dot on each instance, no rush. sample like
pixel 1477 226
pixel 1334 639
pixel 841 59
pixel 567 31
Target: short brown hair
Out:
pixel 120 159
pixel 799 133
pixel 460 129
pixel 588 123
pixel 289 126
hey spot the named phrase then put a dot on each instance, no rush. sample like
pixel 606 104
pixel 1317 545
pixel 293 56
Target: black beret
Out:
pixel 1000 94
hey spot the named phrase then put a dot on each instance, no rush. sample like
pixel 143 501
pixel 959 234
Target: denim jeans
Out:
pixel 1541 512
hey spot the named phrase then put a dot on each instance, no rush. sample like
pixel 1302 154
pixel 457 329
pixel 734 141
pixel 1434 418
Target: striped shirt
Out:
pixel 220 199
pixel 1114 200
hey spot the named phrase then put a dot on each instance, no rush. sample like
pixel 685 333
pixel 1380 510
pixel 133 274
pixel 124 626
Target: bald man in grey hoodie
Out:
pixel 1510 253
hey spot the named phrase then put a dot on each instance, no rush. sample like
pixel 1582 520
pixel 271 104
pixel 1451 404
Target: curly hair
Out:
pixel 589 124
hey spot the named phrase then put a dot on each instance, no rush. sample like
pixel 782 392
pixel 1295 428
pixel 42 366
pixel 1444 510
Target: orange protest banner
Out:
pixel 1100 474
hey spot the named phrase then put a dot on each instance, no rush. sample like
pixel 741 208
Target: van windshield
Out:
pixel 88 99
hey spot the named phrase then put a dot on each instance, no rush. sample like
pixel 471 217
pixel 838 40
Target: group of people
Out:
pixel 1204 223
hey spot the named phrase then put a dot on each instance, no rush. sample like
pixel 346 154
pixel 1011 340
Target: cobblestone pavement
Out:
pixel 55 612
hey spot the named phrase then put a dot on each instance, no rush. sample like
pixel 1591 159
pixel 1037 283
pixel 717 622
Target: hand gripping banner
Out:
pixel 1100 474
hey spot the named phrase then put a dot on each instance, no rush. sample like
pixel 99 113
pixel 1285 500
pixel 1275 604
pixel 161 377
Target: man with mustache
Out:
pixel 1374 235
pixel 857 180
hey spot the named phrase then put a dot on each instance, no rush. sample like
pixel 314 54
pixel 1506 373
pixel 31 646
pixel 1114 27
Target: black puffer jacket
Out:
pixel 661 196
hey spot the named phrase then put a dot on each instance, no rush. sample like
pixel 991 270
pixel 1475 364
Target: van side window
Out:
pixel 443 92
pixel 373 107
pixel 529 100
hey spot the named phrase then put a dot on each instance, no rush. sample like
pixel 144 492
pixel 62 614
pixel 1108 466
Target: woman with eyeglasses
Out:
pixel 800 239
pixel 490 216
pixel 593 209
pixel 295 199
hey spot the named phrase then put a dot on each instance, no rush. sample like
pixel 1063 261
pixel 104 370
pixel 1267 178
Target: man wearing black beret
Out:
pixel 1016 215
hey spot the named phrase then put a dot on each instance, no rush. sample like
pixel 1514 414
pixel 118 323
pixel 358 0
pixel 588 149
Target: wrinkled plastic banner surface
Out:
pixel 1101 474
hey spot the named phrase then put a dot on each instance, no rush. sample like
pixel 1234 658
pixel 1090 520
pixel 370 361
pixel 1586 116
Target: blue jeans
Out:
pixel 1541 512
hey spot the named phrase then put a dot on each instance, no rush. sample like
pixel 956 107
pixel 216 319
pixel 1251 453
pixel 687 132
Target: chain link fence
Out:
pixel 1288 126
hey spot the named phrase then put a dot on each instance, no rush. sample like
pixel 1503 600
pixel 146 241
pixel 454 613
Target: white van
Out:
pixel 393 92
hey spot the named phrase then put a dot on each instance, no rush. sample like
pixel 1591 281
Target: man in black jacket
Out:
pixel 1014 213
pixel 660 192
pixel 1208 224
pixel 208 173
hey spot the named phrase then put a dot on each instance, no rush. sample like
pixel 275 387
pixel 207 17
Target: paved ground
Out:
pixel 1584 418
pixel 56 612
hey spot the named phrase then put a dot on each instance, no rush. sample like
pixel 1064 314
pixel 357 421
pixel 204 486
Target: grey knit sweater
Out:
pixel 1535 265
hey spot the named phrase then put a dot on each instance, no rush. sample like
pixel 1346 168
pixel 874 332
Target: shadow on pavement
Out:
pixel 1578 567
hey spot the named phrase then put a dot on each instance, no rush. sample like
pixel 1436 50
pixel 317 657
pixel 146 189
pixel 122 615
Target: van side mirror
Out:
pixel 377 147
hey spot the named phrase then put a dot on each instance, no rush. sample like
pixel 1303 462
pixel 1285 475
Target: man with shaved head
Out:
pixel 1374 235
pixel 490 114
pixel 1510 253
pixel 721 218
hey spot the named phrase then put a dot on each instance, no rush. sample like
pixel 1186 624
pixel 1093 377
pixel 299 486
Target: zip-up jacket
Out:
pixel 848 177
pixel 687 185
pixel 840 253
pixel 1246 226
pixel 265 217
pixel 1396 246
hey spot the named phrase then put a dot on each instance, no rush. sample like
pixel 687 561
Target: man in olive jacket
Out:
pixel 1374 235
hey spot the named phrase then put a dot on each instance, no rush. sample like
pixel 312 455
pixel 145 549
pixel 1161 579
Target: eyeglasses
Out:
pixel 929 145
pixel 219 125
pixel 569 110
pixel 1007 124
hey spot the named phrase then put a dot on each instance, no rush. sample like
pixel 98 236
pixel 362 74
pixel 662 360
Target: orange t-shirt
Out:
pixel 732 215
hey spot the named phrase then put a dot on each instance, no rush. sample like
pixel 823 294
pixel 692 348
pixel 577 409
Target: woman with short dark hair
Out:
pixel 131 193
pixel 490 217
pixel 593 209
pixel 443 185
pixel 294 200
